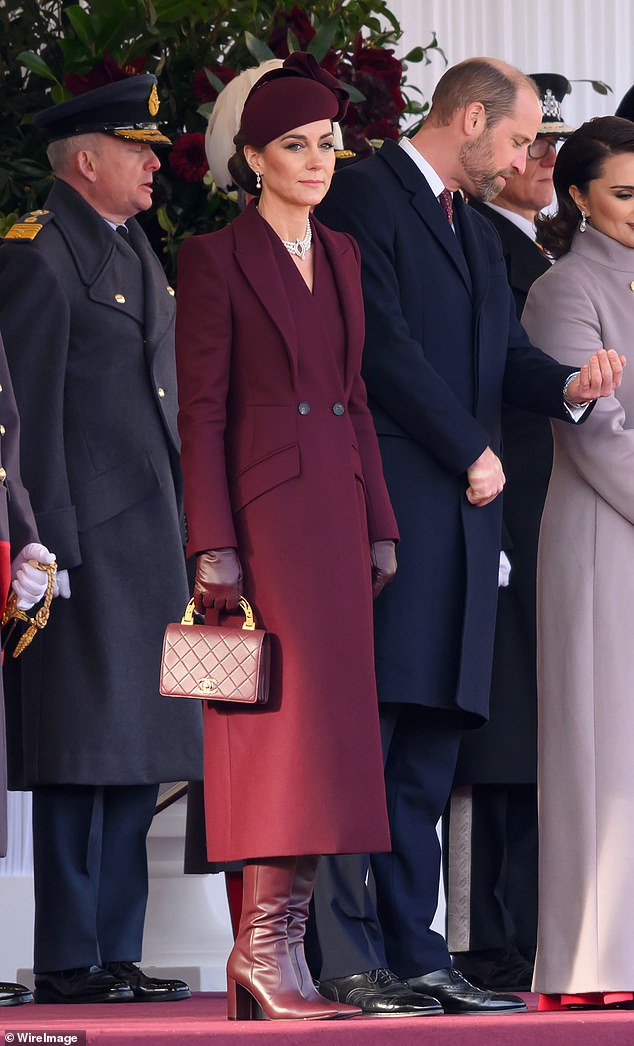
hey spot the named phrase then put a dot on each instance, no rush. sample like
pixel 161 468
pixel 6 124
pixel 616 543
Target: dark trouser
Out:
pixel 350 932
pixel 90 873
pixel 490 845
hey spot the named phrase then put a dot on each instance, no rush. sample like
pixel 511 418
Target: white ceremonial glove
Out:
pixel 62 585
pixel 504 571
pixel 29 583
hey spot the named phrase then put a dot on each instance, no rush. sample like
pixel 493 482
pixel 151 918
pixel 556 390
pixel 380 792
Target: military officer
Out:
pixel 87 318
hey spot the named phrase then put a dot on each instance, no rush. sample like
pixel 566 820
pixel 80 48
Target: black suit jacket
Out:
pixel 505 750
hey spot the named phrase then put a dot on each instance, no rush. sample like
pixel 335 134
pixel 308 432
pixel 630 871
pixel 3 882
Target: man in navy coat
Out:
pixel 443 349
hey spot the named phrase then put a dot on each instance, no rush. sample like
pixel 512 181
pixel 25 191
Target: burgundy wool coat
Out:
pixel 281 462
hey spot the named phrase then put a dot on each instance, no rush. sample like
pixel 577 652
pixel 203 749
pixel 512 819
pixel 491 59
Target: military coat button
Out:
pixel 2 430
pixel 338 409
pixel 303 407
pixel 120 299
pixel 161 391
pixel 3 474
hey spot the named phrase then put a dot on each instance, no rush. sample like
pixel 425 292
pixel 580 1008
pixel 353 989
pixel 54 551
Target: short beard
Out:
pixel 476 158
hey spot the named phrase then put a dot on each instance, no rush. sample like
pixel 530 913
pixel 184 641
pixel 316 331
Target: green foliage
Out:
pixel 45 46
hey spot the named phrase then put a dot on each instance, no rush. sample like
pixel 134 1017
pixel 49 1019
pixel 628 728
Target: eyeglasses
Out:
pixel 538 149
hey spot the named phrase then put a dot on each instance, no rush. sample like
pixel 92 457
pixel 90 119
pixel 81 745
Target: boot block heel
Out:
pixel 241 1006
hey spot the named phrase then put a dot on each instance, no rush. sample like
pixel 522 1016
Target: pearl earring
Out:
pixel 258 180
pixel 583 224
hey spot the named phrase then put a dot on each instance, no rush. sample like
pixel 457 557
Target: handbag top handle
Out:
pixel 249 619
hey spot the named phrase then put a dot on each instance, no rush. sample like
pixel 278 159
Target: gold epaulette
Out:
pixel 28 226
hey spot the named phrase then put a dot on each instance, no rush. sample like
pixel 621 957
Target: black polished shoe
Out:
pixel 496 969
pixel 84 984
pixel 457 995
pixel 379 994
pixel 148 989
pixel 14 994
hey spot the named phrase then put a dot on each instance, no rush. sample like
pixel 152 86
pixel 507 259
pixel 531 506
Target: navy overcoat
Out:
pixel 443 349
pixel 17 529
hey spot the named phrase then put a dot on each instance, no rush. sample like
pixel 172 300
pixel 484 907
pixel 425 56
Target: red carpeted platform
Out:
pixel 202 1020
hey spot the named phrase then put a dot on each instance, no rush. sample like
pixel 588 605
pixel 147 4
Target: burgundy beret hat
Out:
pixel 298 93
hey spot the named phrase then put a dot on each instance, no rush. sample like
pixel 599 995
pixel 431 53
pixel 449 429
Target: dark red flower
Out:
pixel 107 72
pixel 377 74
pixel 380 64
pixel 187 157
pixel 203 89
pixel 298 22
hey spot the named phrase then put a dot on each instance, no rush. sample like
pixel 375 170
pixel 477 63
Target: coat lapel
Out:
pixel 159 305
pixel 254 254
pixel 426 205
pixel 341 256
pixel 473 250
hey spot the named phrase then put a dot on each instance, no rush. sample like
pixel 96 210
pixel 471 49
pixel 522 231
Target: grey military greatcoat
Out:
pixel 88 327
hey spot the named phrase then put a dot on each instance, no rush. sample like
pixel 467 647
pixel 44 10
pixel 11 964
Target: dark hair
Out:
pixel 477 80
pixel 580 161
pixel 242 174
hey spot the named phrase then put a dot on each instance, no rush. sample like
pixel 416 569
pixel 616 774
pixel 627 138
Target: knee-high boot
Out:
pixel 261 980
pixel 299 903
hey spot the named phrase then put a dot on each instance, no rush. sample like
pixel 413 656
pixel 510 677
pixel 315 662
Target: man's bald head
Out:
pixel 487 80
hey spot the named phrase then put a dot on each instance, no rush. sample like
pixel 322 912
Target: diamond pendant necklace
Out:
pixel 300 247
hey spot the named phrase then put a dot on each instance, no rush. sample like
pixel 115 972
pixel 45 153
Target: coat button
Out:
pixel 120 299
pixel 303 407
pixel 161 391
pixel 3 474
pixel 170 290
pixel 338 409
pixel 2 430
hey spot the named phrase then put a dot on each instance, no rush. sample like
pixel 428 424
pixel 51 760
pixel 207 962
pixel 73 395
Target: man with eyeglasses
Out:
pixel 492 921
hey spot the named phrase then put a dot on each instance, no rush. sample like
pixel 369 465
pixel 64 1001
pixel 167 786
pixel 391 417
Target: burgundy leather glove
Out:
pixel 383 557
pixel 218 583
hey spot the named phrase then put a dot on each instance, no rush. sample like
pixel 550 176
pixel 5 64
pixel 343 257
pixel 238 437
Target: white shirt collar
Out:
pixel 519 220
pixel 433 179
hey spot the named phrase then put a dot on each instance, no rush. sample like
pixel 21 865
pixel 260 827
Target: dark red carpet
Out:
pixel 202 1020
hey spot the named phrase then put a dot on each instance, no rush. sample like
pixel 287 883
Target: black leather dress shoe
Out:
pixel 379 994
pixel 457 995
pixel 14 994
pixel 85 984
pixel 498 970
pixel 148 989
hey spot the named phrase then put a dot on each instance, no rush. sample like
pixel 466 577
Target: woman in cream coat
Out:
pixel 586 587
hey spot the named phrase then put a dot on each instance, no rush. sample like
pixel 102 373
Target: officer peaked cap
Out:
pixel 124 109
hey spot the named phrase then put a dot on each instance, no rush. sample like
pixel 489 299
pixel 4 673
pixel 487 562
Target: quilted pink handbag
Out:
pixel 215 662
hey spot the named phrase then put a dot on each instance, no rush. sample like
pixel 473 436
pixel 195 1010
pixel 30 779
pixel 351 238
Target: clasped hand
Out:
pixel 218 584
pixel 29 583
pixel 383 557
pixel 486 479
pixel 599 377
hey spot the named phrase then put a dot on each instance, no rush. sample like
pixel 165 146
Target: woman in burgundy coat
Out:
pixel 285 501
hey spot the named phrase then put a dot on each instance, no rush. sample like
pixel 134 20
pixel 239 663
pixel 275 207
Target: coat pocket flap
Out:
pixel 266 474
pixel 114 491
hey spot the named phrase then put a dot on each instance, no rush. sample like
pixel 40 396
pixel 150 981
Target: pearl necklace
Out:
pixel 300 247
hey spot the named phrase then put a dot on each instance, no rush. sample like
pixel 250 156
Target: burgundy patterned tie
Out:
pixel 445 199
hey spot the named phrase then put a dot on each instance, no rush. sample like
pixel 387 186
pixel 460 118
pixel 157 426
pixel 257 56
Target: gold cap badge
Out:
pixel 153 103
